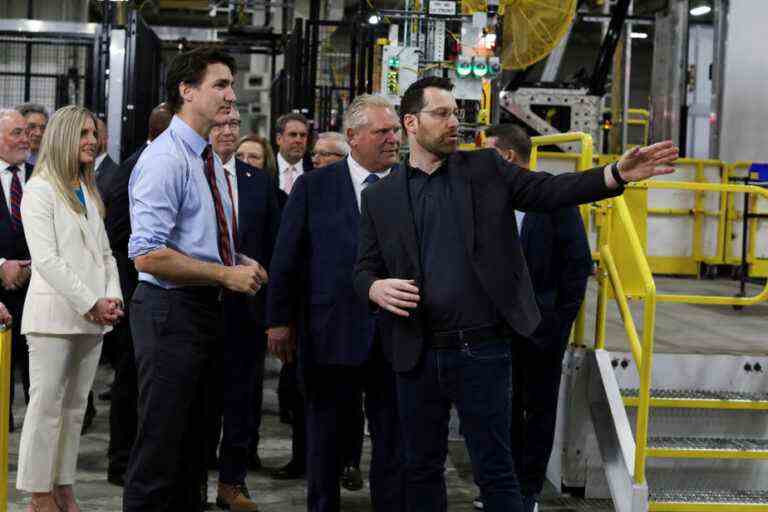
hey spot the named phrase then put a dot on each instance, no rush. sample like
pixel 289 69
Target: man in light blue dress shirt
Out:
pixel 182 244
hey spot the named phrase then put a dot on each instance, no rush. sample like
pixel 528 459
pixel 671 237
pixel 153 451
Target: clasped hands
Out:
pixel 248 276
pixel 15 273
pixel 106 311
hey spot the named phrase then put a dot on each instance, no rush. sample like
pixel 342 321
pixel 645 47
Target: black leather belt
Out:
pixel 470 336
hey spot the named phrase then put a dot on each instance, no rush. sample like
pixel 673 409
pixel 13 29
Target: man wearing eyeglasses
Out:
pixel 440 255
pixel 238 383
pixel 329 148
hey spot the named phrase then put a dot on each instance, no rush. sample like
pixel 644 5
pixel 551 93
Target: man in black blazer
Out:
pixel 245 343
pixel 104 163
pixel 14 253
pixel 559 262
pixel 113 187
pixel 311 303
pixel 440 255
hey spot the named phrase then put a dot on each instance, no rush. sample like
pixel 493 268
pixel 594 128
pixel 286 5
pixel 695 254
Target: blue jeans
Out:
pixel 476 378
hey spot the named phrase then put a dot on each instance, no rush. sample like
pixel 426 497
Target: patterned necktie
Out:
pixel 290 177
pixel 16 193
pixel 225 249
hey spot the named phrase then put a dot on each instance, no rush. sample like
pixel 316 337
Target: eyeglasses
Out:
pixel 325 154
pixel 442 113
pixel 232 125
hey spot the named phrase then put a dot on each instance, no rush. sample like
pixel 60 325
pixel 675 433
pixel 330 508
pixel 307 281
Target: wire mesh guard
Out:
pixel 334 70
pixel 50 72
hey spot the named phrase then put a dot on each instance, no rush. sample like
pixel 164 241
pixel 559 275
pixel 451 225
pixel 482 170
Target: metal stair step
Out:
pixel 699 399
pixel 707 500
pixel 707 448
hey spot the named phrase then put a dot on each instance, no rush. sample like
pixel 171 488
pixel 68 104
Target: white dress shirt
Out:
pixel 520 216
pixel 98 161
pixel 359 174
pixel 6 177
pixel 231 171
pixel 284 171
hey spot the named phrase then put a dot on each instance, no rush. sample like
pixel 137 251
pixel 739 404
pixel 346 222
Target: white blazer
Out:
pixel 72 263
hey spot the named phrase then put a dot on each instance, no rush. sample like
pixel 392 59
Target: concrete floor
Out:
pixel 680 328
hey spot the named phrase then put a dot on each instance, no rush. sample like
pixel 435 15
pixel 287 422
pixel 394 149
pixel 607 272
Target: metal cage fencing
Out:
pixel 49 71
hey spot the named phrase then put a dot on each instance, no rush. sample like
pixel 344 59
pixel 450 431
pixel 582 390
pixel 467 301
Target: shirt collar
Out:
pixel 188 135
pixel 99 159
pixel 5 165
pixel 230 166
pixel 283 165
pixel 360 173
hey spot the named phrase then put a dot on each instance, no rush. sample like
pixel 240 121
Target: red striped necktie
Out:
pixel 16 192
pixel 225 248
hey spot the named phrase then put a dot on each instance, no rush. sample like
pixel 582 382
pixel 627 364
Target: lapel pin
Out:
pixel 248 174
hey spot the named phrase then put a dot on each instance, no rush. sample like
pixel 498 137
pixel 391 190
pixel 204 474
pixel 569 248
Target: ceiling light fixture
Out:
pixel 701 10
pixel 638 35
pixel 374 19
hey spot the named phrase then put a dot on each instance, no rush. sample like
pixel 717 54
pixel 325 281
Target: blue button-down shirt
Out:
pixel 171 202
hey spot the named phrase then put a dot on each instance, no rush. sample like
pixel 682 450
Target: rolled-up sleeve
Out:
pixel 156 192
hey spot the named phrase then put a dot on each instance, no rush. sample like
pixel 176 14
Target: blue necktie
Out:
pixel 371 178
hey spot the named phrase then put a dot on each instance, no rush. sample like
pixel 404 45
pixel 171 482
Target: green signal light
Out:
pixel 479 69
pixel 463 68
pixel 393 62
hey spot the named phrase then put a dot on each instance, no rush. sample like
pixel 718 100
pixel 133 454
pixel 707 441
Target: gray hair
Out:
pixel 32 108
pixel 337 139
pixel 355 117
pixel 6 112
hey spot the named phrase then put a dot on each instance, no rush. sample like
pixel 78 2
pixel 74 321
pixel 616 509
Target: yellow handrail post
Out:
pixel 602 277
pixel 698 218
pixel 645 370
pixel 5 399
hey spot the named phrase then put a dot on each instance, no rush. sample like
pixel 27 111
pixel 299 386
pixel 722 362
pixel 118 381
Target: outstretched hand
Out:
pixel 642 163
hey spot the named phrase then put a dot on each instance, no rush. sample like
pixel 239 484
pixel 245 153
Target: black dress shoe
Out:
pixel 352 478
pixel 290 471
pixel 254 462
pixel 117 479
pixel 106 395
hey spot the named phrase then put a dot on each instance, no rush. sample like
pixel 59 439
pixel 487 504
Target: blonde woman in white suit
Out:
pixel 73 299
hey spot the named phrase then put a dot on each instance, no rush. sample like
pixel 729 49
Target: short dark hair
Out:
pixel 284 119
pixel 190 67
pixel 32 108
pixel 412 101
pixel 511 136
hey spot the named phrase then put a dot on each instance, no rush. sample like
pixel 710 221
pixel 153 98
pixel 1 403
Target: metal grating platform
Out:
pixel 707 447
pixel 568 504
pixel 701 399
pixel 731 497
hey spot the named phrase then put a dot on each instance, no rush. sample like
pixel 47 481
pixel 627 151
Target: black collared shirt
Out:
pixel 451 294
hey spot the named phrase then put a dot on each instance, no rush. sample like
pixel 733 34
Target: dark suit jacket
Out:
pixel 311 271
pixel 258 218
pixel 487 192
pixel 107 166
pixel 13 244
pixel 559 262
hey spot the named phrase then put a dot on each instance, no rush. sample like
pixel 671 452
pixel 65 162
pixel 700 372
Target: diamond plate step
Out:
pixel 707 448
pixel 707 500
pixel 699 399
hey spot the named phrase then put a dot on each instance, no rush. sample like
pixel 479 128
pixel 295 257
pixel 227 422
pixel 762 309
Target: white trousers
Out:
pixel 61 373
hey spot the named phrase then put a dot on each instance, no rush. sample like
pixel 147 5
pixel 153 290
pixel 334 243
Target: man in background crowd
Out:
pixel 36 118
pixel 104 163
pixel 292 140
pixel 239 380
pixel 559 262
pixel 14 253
pixel 330 147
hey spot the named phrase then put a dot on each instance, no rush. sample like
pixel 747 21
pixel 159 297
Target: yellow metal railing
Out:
pixel 5 401
pixel 618 230
pixel 640 117
pixel 631 278
pixel 584 161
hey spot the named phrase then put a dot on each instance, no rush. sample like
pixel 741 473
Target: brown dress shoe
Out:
pixel 231 497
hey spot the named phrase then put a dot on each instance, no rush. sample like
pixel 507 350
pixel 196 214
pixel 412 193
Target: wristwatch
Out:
pixel 616 174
